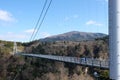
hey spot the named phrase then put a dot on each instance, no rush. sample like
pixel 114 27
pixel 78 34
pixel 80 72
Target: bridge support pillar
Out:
pixel 14 48
pixel 114 39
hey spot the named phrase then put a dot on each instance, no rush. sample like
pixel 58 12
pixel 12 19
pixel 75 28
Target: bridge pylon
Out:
pixel 114 39
pixel 14 48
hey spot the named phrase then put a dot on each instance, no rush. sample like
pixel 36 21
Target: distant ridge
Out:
pixel 74 36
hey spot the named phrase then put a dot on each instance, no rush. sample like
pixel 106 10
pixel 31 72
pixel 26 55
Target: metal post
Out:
pixel 114 39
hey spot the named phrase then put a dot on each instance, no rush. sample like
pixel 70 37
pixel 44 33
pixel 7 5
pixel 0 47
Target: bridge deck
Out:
pixel 82 61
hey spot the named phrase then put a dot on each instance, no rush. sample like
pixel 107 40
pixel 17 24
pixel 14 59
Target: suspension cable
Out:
pixel 39 19
pixel 42 19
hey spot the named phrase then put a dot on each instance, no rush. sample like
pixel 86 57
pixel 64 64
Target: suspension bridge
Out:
pixel 104 64
pixel 114 46
pixel 80 61
pixel 84 61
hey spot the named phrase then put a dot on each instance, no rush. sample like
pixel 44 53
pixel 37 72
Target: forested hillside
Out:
pixel 28 68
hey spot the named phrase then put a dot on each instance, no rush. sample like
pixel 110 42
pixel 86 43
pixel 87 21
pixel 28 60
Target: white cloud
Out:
pixel 22 36
pixel 44 34
pixel 9 32
pixel 6 16
pixel 39 35
pixel 75 16
pixel 10 36
pixel 30 31
pixel 91 22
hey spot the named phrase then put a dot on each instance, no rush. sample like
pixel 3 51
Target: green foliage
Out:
pixel 27 44
pixel 38 50
pixel 105 39
pixel 104 75
pixel 8 44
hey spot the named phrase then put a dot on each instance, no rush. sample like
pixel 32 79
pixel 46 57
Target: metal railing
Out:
pixel 82 61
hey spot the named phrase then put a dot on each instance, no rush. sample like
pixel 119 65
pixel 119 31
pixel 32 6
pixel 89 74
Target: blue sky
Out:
pixel 19 17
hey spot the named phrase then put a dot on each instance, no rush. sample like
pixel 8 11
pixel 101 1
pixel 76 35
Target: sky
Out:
pixel 18 18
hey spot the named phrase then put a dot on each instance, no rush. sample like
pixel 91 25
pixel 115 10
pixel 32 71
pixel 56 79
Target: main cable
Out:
pixel 42 19
pixel 39 19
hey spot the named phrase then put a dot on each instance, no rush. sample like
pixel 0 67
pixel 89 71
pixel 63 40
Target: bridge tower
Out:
pixel 114 39
pixel 15 48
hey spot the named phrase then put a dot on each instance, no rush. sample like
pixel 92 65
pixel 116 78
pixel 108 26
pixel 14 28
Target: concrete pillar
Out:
pixel 114 39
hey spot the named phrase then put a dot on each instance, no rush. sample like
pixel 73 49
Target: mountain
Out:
pixel 74 36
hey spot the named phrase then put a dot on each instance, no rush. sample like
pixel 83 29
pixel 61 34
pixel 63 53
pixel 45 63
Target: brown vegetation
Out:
pixel 28 68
